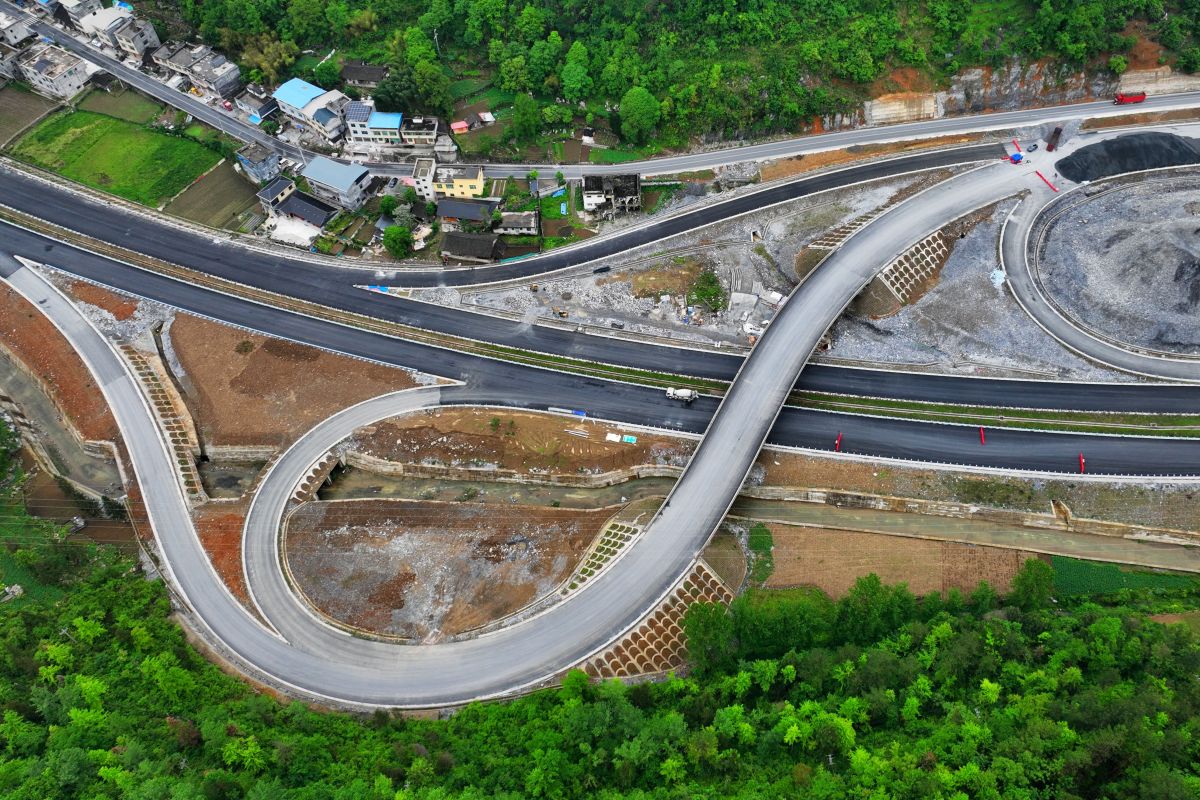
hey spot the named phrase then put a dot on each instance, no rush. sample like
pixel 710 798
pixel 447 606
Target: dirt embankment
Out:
pixel 248 389
pixel 220 531
pixel 44 351
pixel 787 167
pixel 832 560
pixel 416 569
pixel 120 306
pixel 515 440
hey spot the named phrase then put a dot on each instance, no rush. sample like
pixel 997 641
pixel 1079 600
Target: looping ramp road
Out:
pixel 315 659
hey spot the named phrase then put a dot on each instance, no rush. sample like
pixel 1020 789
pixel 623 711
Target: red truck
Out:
pixel 1125 98
pixel 1052 142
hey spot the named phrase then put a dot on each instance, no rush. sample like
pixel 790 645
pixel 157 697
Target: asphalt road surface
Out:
pixel 315 659
pixel 230 124
pixel 335 288
pixel 1014 250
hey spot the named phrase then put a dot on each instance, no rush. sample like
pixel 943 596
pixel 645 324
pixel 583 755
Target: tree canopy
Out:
pixel 715 67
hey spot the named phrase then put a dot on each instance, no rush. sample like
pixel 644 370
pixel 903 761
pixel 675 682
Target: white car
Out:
pixel 752 329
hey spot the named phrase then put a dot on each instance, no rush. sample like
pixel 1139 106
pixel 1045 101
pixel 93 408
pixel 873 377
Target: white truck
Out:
pixel 686 395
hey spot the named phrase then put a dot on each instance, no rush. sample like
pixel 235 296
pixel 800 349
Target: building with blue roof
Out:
pixel 313 108
pixel 366 126
pixel 342 184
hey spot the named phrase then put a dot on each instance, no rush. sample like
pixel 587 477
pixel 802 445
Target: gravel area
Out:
pixel 752 255
pixel 1127 263
pixel 967 324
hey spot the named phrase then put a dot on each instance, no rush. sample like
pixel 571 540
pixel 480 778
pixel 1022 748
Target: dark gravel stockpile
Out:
pixel 1129 153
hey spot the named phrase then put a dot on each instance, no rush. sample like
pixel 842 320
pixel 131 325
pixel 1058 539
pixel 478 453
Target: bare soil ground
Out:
pixel 1148 118
pixel 902 79
pixel 1191 619
pixel 516 440
pixel 672 277
pixel 787 167
pixel 248 389
pixel 416 569
pixel 1145 53
pixel 120 306
pixel 43 350
pixel 18 110
pixel 220 530
pixel 1157 505
pixel 216 199
pixel 832 560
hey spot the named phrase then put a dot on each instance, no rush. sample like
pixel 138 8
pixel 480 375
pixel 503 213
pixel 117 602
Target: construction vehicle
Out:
pixel 686 395
pixel 1052 142
pixel 1126 98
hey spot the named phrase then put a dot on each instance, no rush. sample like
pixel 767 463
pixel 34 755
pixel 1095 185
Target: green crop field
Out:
pixel 1075 577
pixel 115 156
pixel 127 105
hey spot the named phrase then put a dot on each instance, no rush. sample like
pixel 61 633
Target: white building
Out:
pixel 423 174
pixel 53 71
pixel 12 30
pixel 366 126
pixel 137 36
pixel 78 9
pixel 104 22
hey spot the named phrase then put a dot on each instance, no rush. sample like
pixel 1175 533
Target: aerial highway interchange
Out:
pixel 294 649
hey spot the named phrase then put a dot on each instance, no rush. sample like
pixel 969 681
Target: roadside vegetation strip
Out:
pixel 115 155
pixel 1174 425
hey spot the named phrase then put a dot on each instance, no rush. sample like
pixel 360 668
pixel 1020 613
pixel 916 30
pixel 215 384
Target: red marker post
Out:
pixel 1016 145
pixel 982 438
pixel 1082 464
pixel 837 443
pixel 1044 178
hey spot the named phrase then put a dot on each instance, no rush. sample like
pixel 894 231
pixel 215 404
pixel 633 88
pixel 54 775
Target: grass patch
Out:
pixel 464 88
pixel 707 291
pixel 18 108
pixel 127 105
pixel 761 546
pixel 215 200
pixel 617 155
pixel 1075 577
pixel 116 156
pixel 1174 425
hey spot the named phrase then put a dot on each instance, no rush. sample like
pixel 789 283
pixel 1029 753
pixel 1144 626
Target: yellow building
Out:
pixel 459 181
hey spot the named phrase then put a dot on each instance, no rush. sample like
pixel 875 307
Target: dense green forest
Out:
pixel 878 695
pixel 681 68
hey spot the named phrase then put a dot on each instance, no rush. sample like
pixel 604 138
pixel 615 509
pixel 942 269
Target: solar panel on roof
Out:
pixel 358 112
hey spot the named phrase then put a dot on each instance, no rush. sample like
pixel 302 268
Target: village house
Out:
pixel 366 126
pixel 53 71
pixel 477 247
pixel 13 31
pixel 423 173
pixel 281 198
pixel 78 9
pixel 458 181
pixel 256 103
pixel 419 131
pixel 344 185
pixel 207 69
pixel 259 163
pixel 362 75
pixel 477 211
pixel 313 108
pixel 8 61
pixel 518 223
pixel 136 37
pixel 614 192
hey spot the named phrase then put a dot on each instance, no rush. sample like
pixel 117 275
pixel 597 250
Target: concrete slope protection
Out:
pixel 334 288
pixel 235 127
pixel 1086 162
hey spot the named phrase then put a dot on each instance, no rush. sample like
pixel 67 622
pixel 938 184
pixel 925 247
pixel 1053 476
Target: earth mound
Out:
pixel 1129 153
